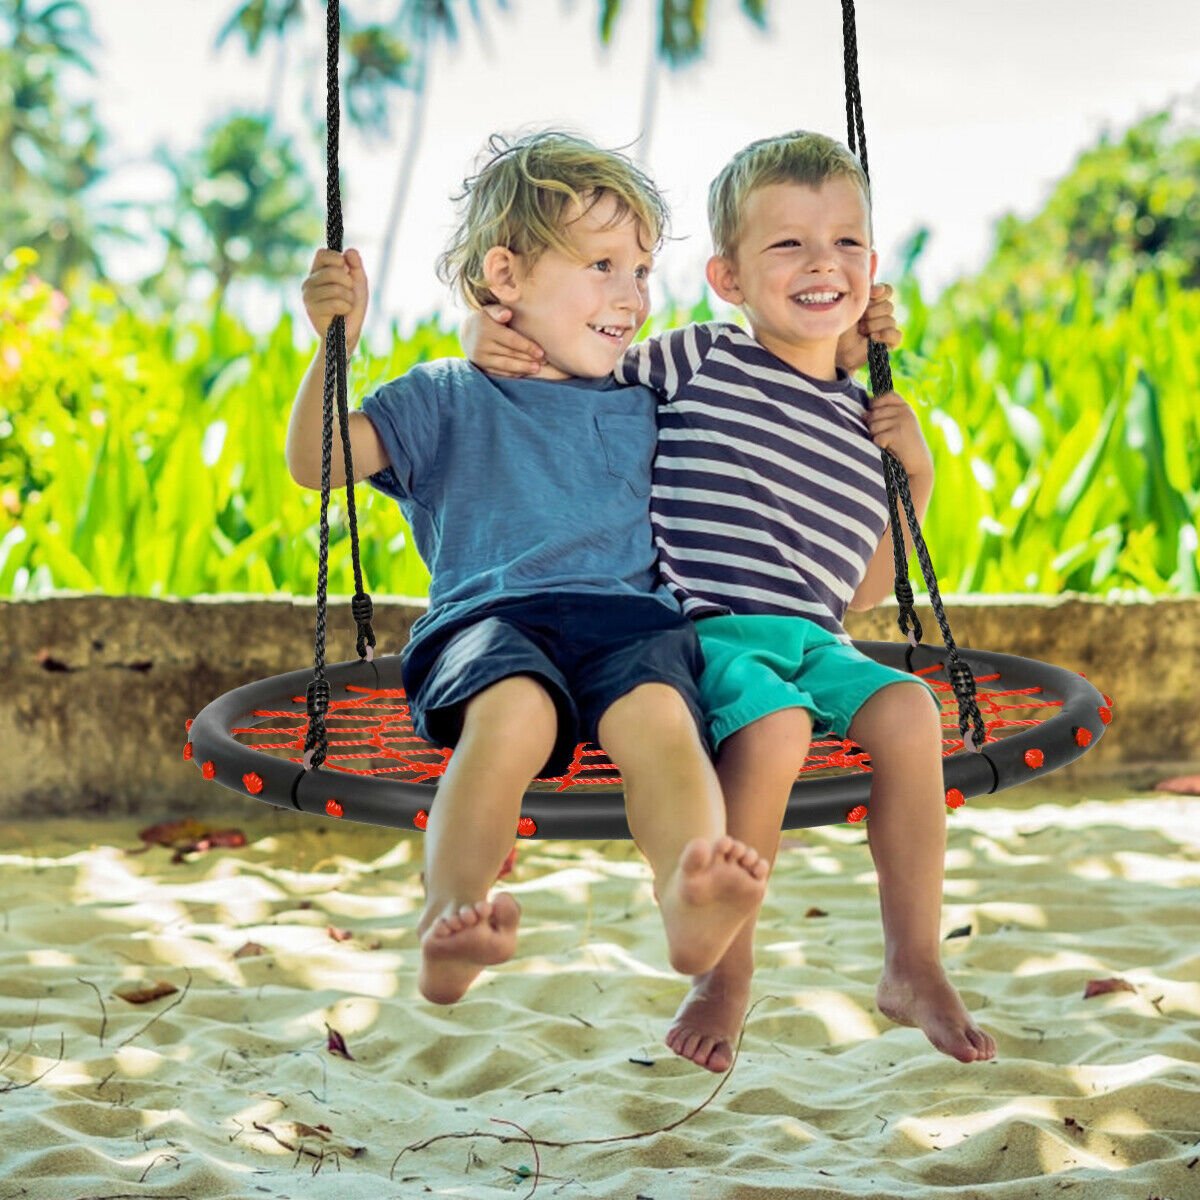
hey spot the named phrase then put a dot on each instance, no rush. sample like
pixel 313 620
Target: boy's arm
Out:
pixel 489 344
pixel 880 580
pixel 304 436
pixel 336 286
pixel 893 426
pixel 665 361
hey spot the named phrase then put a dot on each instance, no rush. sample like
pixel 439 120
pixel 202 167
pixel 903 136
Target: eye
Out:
pixel 603 264
pixel 786 243
pixel 852 241
pixel 642 273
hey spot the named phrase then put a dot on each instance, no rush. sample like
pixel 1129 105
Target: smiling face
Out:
pixel 583 308
pixel 802 269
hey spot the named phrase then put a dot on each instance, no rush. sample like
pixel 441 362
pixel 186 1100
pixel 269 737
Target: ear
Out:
pixel 722 278
pixel 502 271
pixel 874 265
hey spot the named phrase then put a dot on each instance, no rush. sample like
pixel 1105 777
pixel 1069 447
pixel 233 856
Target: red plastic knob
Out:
pixel 209 770
pixel 1034 759
pixel 955 798
pixel 187 751
pixel 333 808
pixel 1105 714
pixel 857 813
pixel 526 827
pixel 253 782
pixel 421 819
pixel 1083 737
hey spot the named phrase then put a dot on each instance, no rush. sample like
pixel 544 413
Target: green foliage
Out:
pixel 1129 206
pixel 146 457
pixel 1061 440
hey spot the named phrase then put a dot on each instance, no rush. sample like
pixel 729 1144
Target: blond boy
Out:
pixel 528 500
pixel 770 519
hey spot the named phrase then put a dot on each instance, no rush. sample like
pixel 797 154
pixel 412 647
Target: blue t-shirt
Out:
pixel 516 487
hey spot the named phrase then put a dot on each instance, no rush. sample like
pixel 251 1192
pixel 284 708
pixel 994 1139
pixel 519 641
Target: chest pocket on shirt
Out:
pixel 624 442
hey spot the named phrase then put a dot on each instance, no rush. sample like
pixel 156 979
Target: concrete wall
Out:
pixel 96 689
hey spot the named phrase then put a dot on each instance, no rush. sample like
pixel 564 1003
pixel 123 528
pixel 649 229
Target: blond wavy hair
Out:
pixel 796 157
pixel 521 195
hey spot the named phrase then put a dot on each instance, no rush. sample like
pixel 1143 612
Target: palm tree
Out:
pixel 683 26
pixel 246 189
pixel 49 148
pixel 379 62
pixel 422 23
pixel 258 19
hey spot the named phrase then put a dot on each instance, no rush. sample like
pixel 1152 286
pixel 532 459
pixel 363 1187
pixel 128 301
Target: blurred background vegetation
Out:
pixel 141 435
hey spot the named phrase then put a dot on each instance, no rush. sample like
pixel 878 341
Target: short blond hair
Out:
pixel 519 198
pixel 796 157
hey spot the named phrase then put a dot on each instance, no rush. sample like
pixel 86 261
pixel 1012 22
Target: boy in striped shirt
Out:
pixel 770 520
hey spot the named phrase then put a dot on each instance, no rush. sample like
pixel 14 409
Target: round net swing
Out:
pixel 337 740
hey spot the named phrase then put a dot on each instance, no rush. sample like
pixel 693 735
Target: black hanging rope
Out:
pixel 316 742
pixel 970 720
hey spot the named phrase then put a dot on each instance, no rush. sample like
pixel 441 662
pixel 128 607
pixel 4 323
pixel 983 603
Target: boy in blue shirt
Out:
pixel 770 519
pixel 528 501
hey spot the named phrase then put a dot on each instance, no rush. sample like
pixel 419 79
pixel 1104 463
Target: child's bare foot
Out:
pixel 713 889
pixel 708 1022
pixel 455 948
pixel 924 998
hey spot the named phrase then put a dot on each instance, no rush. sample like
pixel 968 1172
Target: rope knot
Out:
pixel 318 698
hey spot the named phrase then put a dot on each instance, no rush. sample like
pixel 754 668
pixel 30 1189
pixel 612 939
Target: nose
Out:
pixel 630 290
pixel 820 257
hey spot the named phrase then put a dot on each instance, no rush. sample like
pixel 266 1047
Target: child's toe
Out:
pixel 985 1047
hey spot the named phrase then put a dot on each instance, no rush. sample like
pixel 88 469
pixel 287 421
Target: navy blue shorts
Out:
pixel 586 650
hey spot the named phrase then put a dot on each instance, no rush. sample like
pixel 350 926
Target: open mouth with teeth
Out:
pixel 612 333
pixel 818 301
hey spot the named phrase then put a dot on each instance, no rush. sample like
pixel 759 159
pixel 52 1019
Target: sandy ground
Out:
pixel 226 1087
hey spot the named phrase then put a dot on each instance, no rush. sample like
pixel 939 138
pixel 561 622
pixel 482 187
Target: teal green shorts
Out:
pixel 760 664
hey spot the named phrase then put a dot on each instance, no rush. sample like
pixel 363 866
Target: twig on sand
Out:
pixel 179 1000
pixel 301 1148
pixel 626 1137
pixel 8 1085
pixel 159 1158
pixel 103 1010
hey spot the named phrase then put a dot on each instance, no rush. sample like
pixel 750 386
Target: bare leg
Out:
pixel 906 830
pixel 508 732
pixel 706 883
pixel 756 766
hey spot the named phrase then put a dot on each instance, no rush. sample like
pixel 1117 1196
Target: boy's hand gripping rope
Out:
pixel 895 475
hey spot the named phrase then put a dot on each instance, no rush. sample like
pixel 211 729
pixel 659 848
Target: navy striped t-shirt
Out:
pixel 768 493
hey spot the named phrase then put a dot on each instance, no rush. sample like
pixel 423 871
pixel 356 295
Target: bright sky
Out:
pixel 972 108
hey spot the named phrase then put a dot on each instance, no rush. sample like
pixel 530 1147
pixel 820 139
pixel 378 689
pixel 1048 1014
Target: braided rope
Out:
pixel 316 740
pixel 970 720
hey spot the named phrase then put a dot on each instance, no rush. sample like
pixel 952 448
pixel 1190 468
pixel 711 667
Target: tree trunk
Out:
pixel 276 84
pixel 408 162
pixel 649 106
